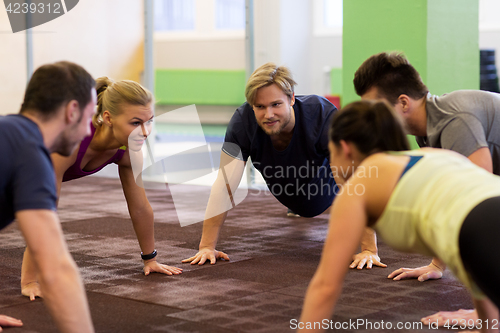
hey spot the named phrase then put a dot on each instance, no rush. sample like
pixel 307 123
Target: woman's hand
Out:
pixel 9 321
pixel 422 273
pixel 367 258
pixel 152 265
pixel 451 317
pixel 206 254
pixel 31 290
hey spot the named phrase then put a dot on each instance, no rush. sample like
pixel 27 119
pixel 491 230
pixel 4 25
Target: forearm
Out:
pixel 369 241
pixel 211 230
pixel 65 296
pixel 487 313
pixel 143 222
pixel 58 275
pixel 28 269
pixel 319 303
pixel 218 205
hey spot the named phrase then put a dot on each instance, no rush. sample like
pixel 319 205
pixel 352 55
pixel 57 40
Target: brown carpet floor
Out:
pixel 261 289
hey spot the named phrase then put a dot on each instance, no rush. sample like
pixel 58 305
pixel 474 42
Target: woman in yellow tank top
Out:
pixel 431 201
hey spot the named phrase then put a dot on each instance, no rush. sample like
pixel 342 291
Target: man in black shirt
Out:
pixel 58 105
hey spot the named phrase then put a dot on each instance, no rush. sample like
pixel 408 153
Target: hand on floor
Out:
pixel 9 321
pixel 31 290
pixel 453 317
pixel 422 273
pixel 206 254
pixel 152 265
pixel 367 258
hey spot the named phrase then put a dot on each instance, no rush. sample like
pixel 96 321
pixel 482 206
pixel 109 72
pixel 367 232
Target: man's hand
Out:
pixel 367 258
pixel 206 254
pixel 32 290
pixel 9 321
pixel 442 317
pixel 152 265
pixel 422 273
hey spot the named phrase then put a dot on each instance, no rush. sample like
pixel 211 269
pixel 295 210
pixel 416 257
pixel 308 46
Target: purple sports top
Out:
pixel 75 171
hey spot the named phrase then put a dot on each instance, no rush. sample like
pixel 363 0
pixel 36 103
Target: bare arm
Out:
pixel 29 281
pixel 487 313
pixel 61 164
pixel 142 217
pixel 369 251
pixel 59 278
pixel 347 224
pixel 140 210
pixel 482 158
pixel 219 203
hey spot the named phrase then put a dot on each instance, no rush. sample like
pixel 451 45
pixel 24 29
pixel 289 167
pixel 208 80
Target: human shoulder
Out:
pixel 125 160
pixel 15 123
pixel 242 120
pixel 314 110
pixel 20 134
pixel 381 167
pixel 242 116
pixel 462 100
pixel 243 110
pixel 315 102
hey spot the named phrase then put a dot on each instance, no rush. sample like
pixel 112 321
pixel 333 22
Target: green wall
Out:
pixel 452 45
pixel 336 83
pixel 439 37
pixel 191 86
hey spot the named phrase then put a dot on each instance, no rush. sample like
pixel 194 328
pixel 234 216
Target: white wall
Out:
pixel 489 26
pixel 215 53
pixel 105 37
pixel 285 34
pixel 12 66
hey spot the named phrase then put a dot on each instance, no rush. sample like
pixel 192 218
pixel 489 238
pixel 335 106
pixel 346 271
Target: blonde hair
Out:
pixel 111 94
pixel 266 75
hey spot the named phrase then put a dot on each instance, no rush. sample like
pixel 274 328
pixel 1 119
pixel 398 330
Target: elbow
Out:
pixel 55 270
pixel 142 213
pixel 327 289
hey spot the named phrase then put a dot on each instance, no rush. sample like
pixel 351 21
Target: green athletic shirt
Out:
pixel 429 204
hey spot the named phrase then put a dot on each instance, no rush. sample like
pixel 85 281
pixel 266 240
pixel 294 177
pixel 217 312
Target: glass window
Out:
pixel 172 15
pixel 333 13
pixel 230 14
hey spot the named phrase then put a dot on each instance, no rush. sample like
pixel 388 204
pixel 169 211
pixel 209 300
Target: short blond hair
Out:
pixel 266 75
pixel 111 94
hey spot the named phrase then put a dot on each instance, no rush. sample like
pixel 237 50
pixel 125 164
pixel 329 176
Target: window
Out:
pixel 230 14
pixel 199 19
pixel 333 13
pixel 171 15
pixel 328 17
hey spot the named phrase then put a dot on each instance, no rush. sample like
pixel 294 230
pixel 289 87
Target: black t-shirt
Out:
pixel 27 179
pixel 299 176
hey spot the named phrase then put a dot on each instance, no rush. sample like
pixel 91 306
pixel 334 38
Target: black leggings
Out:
pixel 479 244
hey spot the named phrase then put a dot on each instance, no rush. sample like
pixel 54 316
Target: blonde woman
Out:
pixel 122 107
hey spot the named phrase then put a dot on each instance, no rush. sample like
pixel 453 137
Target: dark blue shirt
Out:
pixel 299 176
pixel 27 178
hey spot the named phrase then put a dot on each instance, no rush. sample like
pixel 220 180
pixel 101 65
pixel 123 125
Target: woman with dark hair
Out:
pixel 417 201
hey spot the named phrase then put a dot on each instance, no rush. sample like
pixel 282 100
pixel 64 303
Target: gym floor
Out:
pixel 261 289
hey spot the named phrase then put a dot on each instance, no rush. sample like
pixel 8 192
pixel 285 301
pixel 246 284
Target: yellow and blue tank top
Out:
pixel 429 204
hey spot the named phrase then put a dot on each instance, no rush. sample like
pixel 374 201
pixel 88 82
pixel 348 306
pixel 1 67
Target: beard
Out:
pixel 64 145
pixel 282 124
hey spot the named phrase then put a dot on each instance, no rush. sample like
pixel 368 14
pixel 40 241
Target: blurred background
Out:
pixel 202 51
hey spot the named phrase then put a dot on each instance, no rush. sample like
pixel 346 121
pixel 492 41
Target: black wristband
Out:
pixel 149 256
